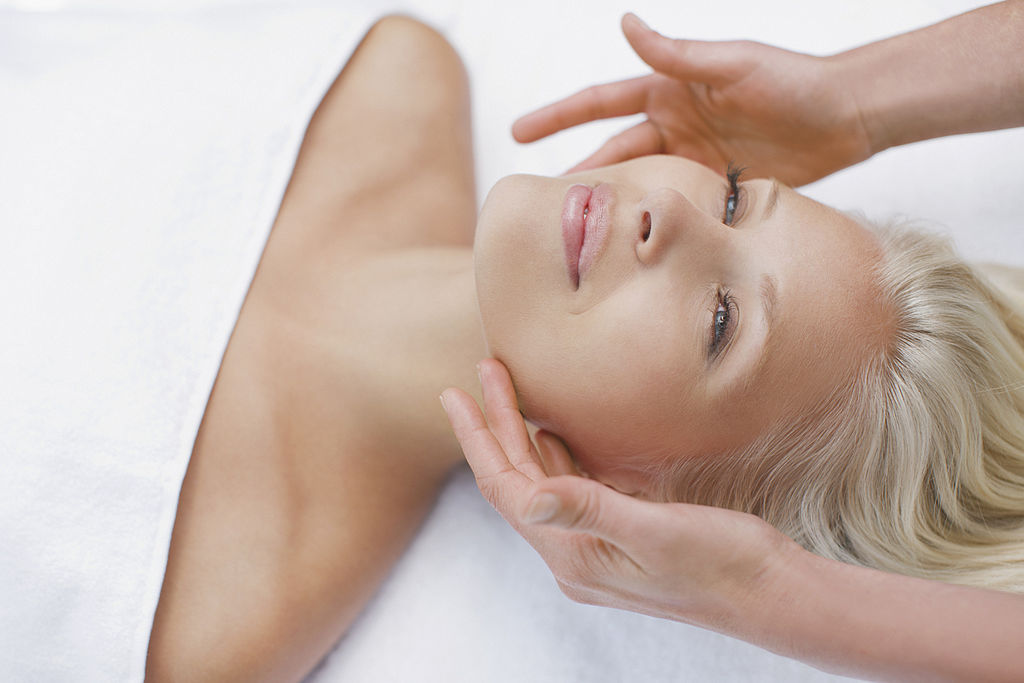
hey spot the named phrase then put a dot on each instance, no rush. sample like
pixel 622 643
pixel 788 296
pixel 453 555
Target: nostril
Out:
pixel 646 222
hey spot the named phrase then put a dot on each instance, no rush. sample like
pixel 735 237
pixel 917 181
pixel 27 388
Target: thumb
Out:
pixel 700 61
pixel 578 504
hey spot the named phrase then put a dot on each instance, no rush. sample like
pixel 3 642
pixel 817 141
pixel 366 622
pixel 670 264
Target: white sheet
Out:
pixel 144 153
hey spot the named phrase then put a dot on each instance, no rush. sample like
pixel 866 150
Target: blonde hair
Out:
pixel 917 467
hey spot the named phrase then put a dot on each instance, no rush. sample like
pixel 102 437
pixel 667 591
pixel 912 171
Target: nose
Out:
pixel 668 219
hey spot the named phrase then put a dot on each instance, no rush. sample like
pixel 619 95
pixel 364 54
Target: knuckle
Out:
pixel 589 512
pixel 578 572
pixel 679 48
pixel 679 44
pixel 570 570
pixel 746 48
pixel 493 491
pixel 592 100
pixel 598 99
pixel 474 435
pixel 489 488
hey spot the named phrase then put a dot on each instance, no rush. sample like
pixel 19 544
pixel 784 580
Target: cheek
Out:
pixel 619 398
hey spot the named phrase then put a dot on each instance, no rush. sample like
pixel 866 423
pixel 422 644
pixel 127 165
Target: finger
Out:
pixel 687 60
pixel 506 421
pixel 482 450
pixel 554 455
pixel 502 484
pixel 641 139
pixel 584 505
pixel 609 100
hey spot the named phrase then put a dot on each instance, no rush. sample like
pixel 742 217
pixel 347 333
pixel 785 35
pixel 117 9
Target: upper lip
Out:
pixel 574 217
pixel 597 227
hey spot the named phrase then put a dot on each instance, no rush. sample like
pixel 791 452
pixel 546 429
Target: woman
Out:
pixel 908 471
pixel 309 468
pixel 775 357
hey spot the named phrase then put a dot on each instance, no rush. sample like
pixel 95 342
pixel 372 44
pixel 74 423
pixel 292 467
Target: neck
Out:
pixel 400 328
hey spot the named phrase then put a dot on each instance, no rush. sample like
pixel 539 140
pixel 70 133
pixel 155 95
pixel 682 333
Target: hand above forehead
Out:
pixel 778 113
pixel 685 562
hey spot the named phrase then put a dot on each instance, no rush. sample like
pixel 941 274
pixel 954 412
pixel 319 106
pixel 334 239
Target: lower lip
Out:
pixel 574 228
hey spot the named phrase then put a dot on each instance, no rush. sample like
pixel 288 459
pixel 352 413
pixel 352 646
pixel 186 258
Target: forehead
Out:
pixel 830 269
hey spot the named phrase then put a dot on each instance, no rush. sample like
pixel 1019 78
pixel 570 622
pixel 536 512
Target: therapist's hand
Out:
pixel 691 563
pixel 778 113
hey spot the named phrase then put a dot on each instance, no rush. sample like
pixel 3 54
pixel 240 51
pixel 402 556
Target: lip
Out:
pixel 585 219
pixel 574 228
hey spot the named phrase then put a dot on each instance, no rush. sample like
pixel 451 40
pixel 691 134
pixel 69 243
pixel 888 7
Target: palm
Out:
pixel 775 112
pixel 779 129
pixel 686 123
pixel 667 560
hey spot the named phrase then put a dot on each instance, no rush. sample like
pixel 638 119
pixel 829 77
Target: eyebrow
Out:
pixel 769 296
pixel 769 299
pixel 769 291
pixel 772 202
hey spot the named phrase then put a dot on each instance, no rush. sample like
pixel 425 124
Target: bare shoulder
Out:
pixel 393 131
pixel 405 62
pixel 419 42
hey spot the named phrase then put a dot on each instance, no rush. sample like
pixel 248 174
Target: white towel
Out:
pixel 143 156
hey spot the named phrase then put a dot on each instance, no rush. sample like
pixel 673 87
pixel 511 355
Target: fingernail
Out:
pixel 542 508
pixel 443 404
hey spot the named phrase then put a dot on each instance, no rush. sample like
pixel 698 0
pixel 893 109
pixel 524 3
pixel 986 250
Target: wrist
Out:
pixel 926 83
pixel 756 609
pixel 803 612
pixel 856 74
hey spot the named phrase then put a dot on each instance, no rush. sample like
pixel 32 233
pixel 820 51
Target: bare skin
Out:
pixel 728 571
pixel 301 492
pixel 323 445
pixel 799 117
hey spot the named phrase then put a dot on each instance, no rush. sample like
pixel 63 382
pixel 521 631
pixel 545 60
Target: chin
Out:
pixel 516 260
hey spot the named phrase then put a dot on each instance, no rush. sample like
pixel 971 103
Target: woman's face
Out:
pixel 642 319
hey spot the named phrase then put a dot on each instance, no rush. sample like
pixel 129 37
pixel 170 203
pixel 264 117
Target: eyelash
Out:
pixel 721 321
pixel 724 313
pixel 732 197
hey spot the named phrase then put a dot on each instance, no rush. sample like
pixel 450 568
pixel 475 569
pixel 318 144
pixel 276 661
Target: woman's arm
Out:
pixel 962 75
pixel 727 571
